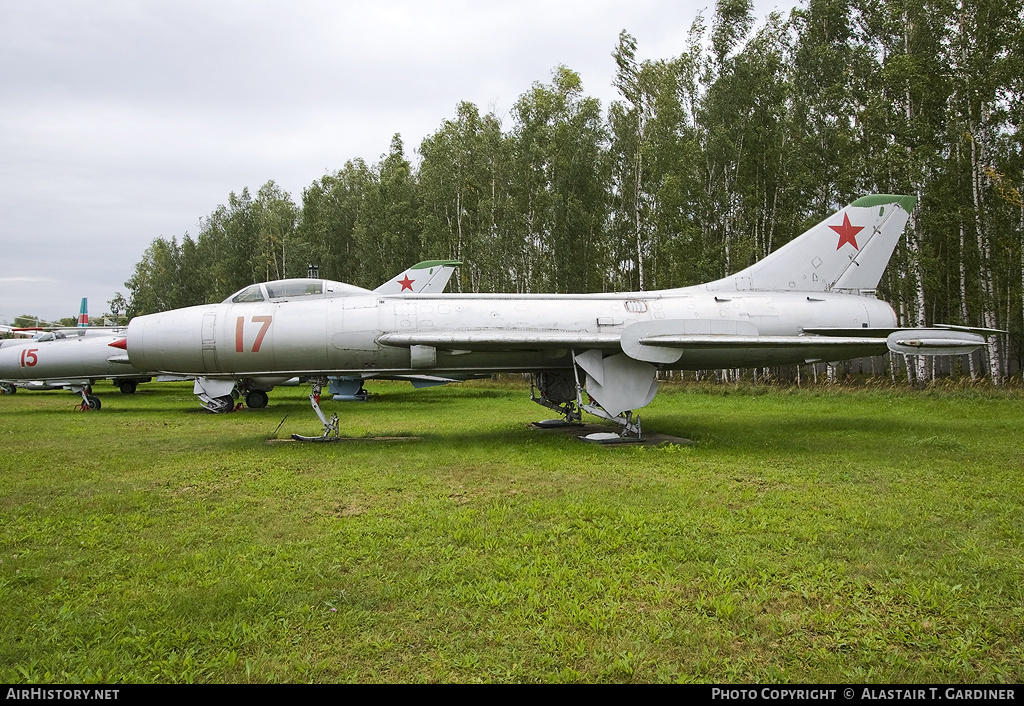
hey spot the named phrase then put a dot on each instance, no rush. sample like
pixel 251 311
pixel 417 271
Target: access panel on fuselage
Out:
pixel 298 335
pixel 353 326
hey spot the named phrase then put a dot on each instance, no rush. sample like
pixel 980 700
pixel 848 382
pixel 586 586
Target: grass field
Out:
pixel 824 535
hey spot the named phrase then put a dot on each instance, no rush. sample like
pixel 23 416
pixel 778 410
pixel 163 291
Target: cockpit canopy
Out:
pixel 285 289
pixel 45 336
pixel 50 336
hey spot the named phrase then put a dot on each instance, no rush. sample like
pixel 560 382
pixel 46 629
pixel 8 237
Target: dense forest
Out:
pixel 706 162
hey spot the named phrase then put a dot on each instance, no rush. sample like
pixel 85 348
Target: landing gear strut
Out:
pixel 89 400
pixel 330 426
pixel 629 422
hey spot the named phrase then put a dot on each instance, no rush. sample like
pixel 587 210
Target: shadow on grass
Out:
pixel 833 434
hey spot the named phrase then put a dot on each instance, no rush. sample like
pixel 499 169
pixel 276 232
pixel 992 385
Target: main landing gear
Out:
pixel 220 405
pixel 219 396
pixel 130 385
pixel 616 385
pixel 256 399
pixel 558 391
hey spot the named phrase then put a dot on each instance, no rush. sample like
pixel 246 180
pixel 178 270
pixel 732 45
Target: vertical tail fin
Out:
pixel 847 251
pixel 83 313
pixel 426 277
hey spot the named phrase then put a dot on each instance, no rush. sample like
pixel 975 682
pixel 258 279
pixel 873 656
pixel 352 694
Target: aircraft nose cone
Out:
pixel 121 343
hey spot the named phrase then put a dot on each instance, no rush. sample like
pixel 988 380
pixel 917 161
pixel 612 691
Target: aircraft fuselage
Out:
pixel 343 335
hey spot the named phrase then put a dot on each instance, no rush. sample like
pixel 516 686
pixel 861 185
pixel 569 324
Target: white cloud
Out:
pixel 126 120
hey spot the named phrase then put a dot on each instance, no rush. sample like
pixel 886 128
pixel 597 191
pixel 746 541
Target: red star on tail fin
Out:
pixel 847 232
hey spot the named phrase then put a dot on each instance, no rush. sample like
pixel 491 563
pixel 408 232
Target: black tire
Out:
pixel 128 387
pixel 93 402
pixel 256 399
pixel 7 388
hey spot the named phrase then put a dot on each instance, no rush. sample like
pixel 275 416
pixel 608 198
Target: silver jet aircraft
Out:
pixel 812 300
pixel 73 358
pixel 69 357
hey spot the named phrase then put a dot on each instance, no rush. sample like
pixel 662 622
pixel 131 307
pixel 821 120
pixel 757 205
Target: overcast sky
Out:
pixel 122 121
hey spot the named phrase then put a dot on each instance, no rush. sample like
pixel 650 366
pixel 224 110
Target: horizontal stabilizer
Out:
pixel 971 329
pixel 885 332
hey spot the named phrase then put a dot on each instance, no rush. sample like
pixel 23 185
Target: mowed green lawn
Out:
pixel 843 535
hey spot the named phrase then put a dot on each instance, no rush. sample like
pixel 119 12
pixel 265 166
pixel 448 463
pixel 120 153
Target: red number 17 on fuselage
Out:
pixel 240 327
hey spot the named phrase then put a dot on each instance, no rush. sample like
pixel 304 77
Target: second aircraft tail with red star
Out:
pixel 428 277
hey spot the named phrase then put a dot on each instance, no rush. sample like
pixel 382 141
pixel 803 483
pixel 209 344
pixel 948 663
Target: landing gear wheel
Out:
pixel 128 387
pixel 93 402
pixel 256 399
pixel 7 388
